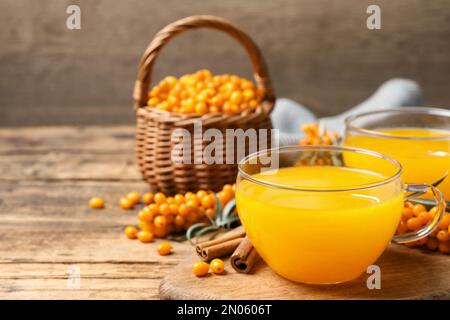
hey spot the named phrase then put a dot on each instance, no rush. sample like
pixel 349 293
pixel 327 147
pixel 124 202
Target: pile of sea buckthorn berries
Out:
pixel 164 215
pixel 202 93
pixel 415 216
pixel 314 138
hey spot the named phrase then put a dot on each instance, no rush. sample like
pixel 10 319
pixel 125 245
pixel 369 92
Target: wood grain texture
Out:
pixel 46 227
pixel 319 52
pixel 405 274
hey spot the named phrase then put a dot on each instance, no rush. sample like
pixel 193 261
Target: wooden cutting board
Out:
pixel 406 273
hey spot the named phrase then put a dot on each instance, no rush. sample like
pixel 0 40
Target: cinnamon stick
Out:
pixel 244 257
pixel 221 246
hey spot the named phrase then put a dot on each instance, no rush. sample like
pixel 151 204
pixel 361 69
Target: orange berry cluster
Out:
pixel 201 268
pixel 202 93
pixel 164 215
pixel 314 138
pixel 415 216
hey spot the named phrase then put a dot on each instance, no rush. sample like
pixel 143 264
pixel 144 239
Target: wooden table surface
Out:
pixel 47 230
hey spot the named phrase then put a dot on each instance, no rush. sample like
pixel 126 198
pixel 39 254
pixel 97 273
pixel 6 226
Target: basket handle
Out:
pixel 260 71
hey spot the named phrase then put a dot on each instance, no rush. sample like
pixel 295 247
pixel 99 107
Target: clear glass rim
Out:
pixel 288 149
pixel 407 110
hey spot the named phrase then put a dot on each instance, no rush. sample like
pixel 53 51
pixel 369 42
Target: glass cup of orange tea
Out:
pixel 419 138
pixel 325 213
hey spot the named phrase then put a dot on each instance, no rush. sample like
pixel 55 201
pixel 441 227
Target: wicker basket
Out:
pixel 155 127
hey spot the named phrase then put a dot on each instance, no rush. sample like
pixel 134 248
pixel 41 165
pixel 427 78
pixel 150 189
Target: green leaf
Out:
pixel 206 230
pixel 229 208
pixel 428 202
pixel 191 232
pixel 434 184
pixel 177 238
pixel 228 221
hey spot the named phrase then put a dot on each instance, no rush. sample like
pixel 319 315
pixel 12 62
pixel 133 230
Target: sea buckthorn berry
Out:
pixel 443 235
pixel 145 215
pixel 192 202
pixel 164 209
pixel 201 212
pixel 236 97
pixel 183 210
pixel 201 107
pixel 170 200
pixel 208 201
pixel 445 222
pixel 147 198
pixel 160 198
pixel 189 194
pixel 160 232
pixel 253 103
pixel 145 236
pixel 164 248
pixel 235 108
pixel 179 198
pixel 227 187
pixel 433 211
pixel 147 226
pixel 217 266
pixel 418 208
pixel 134 197
pixel 432 244
pixel 402 228
pixel 210 213
pixel 173 208
pixel 125 203
pixel 425 217
pixel 408 204
pixel 160 221
pixel 413 224
pixel 201 193
pixel 179 220
pixel 213 109
pixel 97 203
pixel 200 269
pixel 154 208
pixel 407 213
pixel 131 232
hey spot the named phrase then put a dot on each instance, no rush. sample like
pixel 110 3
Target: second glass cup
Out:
pixel 419 138
pixel 324 214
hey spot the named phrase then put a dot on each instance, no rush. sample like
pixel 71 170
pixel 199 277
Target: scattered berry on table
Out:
pixel 164 248
pixel 125 203
pixel 217 266
pixel 131 232
pixel 200 269
pixel 145 236
pixel 97 203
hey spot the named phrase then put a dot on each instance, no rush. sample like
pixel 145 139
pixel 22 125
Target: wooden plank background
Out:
pixel 46 227
pixel 320 52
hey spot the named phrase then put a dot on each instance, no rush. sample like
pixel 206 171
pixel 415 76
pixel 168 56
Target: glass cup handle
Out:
pixel 431 226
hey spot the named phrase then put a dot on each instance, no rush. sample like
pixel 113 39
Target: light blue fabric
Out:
pixel 288 115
